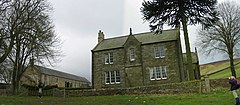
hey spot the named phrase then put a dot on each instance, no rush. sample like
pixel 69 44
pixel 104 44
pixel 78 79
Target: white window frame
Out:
pixel 152 74
pixel 131 54
pixel 107 75
pixel 156 73
pixel 117 75
pixel 156 52
pixel 158 70
pixel 112 75
pixel 108 58
pixel 159 52
pixel 164 69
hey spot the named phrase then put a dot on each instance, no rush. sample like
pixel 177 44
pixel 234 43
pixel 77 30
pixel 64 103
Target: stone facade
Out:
pixel 142 66
pixel 52 78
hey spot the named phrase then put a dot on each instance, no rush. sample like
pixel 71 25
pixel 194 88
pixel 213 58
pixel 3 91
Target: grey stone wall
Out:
pixel 171 61
pixel 136 73
pixel 99 68
pixel 188 87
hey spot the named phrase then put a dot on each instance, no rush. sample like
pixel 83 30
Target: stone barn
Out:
pixel 52 77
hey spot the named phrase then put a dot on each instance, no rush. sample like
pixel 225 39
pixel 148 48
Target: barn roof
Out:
pixel 144 38
pixel 52 72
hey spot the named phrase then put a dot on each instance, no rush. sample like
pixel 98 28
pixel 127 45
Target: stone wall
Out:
pixel 171 88
pixel 5 92
pixel 99 68
pixel 171 61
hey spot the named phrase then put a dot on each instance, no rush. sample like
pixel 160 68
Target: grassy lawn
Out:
pixel 221 97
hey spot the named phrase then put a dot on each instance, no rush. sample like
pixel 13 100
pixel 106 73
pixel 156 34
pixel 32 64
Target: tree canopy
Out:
pixel 160 12
pixel 174 12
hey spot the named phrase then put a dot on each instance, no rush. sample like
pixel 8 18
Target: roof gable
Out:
pixel 130 40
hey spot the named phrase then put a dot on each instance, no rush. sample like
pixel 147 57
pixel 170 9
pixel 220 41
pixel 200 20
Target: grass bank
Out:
pixel 220 69
pixel 220 97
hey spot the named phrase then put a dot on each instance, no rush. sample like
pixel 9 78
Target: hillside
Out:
pixel 219 69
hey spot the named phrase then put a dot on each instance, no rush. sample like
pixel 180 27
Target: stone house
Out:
pixel 195 62
pixel 52 77
pixel 138 60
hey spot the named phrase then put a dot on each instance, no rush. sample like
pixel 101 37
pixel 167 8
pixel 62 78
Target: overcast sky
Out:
pixel 77 22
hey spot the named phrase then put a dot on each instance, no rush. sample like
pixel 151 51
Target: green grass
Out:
pixel 213 67
pixel 221 97
pixel 226 73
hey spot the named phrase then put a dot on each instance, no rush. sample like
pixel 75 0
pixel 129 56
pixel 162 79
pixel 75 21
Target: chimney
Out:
pixel 100 36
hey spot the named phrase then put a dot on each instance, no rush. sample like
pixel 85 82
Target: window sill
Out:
pixel 132 60
pixel 160 57
pixel 112 83
pixel 158 79
pixel 108 63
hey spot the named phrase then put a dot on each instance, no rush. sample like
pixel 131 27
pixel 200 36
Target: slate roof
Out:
pixel 144 38
pixel 194 57
pixel 52 72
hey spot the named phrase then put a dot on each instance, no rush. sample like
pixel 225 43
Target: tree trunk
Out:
pixel 187 44
pixel 232 65
pixel 16 67
pixel 188 51
pixel 14 79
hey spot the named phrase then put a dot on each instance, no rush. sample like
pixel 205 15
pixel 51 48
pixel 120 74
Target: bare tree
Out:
pixel 7 34
pixel 30 34
pixel 224 35
pixel 6 71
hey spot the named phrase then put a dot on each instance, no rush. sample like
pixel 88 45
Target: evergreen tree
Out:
pixel 174 12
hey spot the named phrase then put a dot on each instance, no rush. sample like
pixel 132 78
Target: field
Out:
pixel 220 97
pixel 212 69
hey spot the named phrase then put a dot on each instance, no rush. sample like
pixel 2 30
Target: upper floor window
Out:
pixel 159 52
pixel 132 56
pixel 109 58
pixel 112 77
pixel 158 73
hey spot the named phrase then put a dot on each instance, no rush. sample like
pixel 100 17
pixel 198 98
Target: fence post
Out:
pixel 200 87
pixel 207 84
pixel 53 92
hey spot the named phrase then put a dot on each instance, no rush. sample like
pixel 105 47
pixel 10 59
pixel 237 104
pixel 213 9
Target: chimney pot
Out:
pixel 100 36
